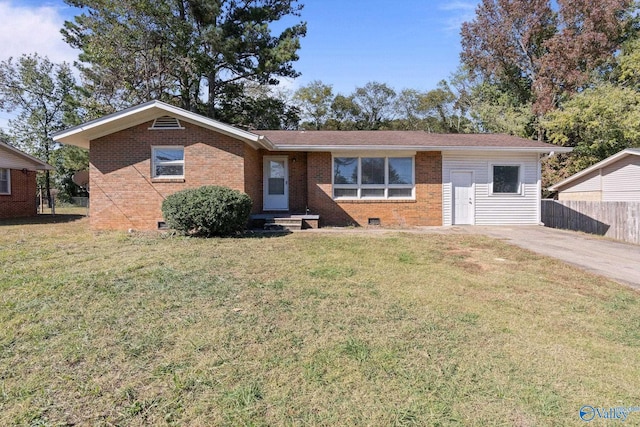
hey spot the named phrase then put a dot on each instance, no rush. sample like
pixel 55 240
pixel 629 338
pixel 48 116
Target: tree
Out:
pixel 600 120
pixel 315 100
pixel 68 160
pixel 42 95
pixel 407 107
pixel 375 101
pixel 540 54
pixel 598 123
pixel 438 104
pixel 253 106
pixel 495 109
pixel 344 113
pixel 627 68
pixel 186 52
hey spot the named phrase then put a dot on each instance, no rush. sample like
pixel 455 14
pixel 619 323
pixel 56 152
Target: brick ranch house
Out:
pixel 394 178
pixel 18 185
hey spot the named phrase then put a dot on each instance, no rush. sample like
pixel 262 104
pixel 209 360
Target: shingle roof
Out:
pixel 416 140
pixel 274 140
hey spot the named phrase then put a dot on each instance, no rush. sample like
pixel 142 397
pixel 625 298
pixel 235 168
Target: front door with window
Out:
pixel 463 197
pixel 276 184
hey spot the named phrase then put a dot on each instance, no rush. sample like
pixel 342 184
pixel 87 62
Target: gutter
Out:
pixel 360 147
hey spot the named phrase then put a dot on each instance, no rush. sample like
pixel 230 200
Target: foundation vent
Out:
pixel 374 221
pixel 166 122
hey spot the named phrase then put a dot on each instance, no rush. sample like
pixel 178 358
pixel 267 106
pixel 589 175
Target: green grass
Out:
pixel 305 329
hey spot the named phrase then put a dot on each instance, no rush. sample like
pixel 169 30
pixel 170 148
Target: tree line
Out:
pixel 565 72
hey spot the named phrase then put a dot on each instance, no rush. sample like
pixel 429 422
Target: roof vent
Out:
pixel 166 122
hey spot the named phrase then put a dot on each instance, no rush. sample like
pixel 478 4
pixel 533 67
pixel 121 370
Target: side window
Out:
pixel 167 162
pixel 5 181
pixel 506 179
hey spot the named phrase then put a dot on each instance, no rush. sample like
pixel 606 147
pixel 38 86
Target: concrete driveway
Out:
pixel 615 260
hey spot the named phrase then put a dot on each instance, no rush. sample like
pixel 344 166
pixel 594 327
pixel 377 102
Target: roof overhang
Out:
pixel 363 147
pixel 38 165
pixel 81 135
pixel 609 160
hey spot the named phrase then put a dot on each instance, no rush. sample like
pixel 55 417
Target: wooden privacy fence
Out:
pixel 618 220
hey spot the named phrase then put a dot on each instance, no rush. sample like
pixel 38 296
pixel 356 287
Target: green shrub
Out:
pixel 207 211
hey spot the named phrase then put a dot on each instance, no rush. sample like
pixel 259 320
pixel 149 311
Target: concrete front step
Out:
pixel 283 224
pixel 275 221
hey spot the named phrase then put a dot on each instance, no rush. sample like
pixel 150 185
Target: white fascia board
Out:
pixel 335 148
pixel 599 165
pixel 360 147
pixel 511 149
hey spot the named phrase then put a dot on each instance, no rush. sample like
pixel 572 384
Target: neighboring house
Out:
pixel 395 178
pixel 615 179
pixel 18 186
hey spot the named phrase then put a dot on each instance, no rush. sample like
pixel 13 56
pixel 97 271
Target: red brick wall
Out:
pixel 123 194
pixel 426 210
pixel 253 177
pixel 22 200
pixel 298 182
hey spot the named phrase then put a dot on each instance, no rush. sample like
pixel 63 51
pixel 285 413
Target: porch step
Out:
pixel 288 223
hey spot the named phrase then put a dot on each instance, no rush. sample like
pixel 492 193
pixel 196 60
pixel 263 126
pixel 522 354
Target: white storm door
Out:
pixel 276 184
pixel 463 197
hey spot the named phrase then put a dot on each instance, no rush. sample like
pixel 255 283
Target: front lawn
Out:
pixel 304 329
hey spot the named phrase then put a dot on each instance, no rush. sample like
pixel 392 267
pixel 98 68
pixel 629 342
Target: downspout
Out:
pixel 539 190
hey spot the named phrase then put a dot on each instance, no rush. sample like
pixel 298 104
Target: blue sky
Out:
pixel 403 43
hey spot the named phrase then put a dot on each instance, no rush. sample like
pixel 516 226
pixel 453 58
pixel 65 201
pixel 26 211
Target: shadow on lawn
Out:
pixel 43 219
pixel 263 234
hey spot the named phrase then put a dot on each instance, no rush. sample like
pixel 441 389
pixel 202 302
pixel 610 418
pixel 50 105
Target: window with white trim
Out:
pixel 373 177
pixel 167 162
pixel 5 181
pixel 506 179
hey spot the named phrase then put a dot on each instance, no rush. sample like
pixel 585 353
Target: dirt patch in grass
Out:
pixel 304 329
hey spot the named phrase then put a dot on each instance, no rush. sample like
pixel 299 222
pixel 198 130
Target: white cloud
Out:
pixel 461 11
pixel 31 29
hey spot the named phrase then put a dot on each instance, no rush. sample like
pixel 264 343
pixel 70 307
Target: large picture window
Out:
pixel 5 181
pixel 167 162
pixel 373 177
pixel 506 179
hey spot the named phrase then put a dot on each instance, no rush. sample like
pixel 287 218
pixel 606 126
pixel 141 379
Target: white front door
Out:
pixel 276 184
pixel 463 197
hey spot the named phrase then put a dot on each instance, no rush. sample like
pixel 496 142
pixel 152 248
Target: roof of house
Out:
pixel 405 140
pixel 27 161
pixel 275 140
pixel 609 160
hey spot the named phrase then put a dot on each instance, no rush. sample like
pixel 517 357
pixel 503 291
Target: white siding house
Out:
pixel 474 190
pixel 615 179
pixel 11 158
